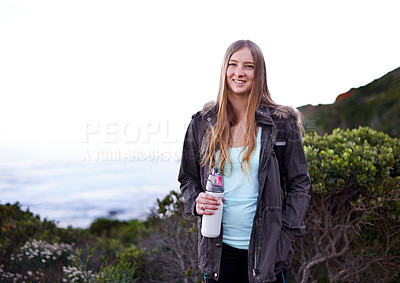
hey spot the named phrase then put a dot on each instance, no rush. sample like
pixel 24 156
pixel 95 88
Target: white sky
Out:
pixel 147 66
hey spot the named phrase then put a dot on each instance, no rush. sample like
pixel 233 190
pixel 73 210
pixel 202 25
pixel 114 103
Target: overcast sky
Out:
pixel 70 69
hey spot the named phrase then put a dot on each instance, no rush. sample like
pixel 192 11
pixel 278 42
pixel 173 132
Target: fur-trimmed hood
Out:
pixel 284 112
pixel 279 111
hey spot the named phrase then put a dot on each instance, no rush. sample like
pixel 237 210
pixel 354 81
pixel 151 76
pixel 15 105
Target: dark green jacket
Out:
pixel 278 219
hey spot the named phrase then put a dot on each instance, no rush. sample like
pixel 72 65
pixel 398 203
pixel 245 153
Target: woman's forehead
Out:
pixel 243 54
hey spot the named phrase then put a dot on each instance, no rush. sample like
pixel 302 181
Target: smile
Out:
pixel 239 81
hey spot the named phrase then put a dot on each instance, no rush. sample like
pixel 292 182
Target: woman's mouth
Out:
pixel 239 82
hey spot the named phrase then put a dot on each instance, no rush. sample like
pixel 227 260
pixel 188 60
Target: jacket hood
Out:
pixel 208 106
pixel 284 112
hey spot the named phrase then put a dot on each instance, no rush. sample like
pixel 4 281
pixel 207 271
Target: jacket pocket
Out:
pixel 284 252
pixel 293 214
pixel 266 240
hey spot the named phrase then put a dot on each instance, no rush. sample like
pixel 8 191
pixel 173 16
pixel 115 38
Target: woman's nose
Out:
pixel 239 72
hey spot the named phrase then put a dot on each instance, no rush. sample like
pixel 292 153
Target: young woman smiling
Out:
pixel 239 134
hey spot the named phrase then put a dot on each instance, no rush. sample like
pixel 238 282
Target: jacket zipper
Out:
pixel 255 253
pixel 255 264
pixel 256 249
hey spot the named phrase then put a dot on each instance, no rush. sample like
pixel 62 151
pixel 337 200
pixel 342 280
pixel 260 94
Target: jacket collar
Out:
pixel 262 115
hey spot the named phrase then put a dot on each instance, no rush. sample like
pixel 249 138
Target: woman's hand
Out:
pixel 205 204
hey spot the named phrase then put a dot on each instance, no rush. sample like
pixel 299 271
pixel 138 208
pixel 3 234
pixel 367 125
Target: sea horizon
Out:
pixel 76 193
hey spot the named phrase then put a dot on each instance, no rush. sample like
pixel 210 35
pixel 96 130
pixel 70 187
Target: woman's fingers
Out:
pixel 207 199
pixel 205 204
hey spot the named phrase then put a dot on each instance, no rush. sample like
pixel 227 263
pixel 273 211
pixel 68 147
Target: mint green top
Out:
pixel 240 192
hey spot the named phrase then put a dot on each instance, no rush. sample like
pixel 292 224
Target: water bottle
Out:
pixel 211 225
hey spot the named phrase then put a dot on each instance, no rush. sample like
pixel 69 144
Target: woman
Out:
pixel 241 134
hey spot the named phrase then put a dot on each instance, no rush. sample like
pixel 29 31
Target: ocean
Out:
pixel 76 193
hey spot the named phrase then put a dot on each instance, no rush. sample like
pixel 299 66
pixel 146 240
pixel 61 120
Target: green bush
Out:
pixel 28 248
pixel 18 226
pixel 354 208
pixel 121 270
pixel 127 232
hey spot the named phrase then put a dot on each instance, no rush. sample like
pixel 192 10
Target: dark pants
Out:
pixel 234 267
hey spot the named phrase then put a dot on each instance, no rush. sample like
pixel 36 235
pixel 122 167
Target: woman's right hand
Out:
pixel 205 204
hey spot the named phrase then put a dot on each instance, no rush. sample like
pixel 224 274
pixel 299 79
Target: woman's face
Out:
pixel 240 72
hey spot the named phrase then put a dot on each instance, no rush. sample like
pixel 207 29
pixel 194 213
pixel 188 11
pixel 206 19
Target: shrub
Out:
pixel 169 254
pixel 18 226
pixel 353 218
pixel 120 271
pixel 36 261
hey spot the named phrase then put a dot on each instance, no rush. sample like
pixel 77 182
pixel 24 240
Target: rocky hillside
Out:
pixel 376 105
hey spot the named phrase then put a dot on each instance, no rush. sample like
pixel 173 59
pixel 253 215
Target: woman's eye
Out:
pixel 250 67
pixel 231 64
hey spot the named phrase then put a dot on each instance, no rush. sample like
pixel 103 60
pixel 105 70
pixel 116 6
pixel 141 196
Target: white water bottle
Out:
pixel 211 224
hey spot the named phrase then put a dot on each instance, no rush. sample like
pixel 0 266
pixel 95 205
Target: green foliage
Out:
pixel 354 213
pixel 134 254
pixel 37 261
pixel 172 204
pixel 35 250
pixel 104 226
pixel 121 271
pixel 79 271
pixel 31 248
pixel 18 226
pixel 126 232
pixel 41 254
pixel 113 237
pixel 359 157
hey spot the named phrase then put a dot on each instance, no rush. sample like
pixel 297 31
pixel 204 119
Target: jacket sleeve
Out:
pixel 298 182
pixel 189 173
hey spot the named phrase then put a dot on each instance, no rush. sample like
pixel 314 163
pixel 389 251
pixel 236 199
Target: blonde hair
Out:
pixel 219 135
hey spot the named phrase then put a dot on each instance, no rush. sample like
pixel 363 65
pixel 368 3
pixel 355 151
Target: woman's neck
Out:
pixel 239 105
pixel 238 127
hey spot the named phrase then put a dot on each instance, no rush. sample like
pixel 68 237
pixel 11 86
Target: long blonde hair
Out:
pixel 219 135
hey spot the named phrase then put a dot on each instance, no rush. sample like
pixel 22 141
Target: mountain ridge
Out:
pixel 376 105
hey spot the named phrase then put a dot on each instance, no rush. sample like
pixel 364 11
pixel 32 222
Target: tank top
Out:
pixel 241 193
